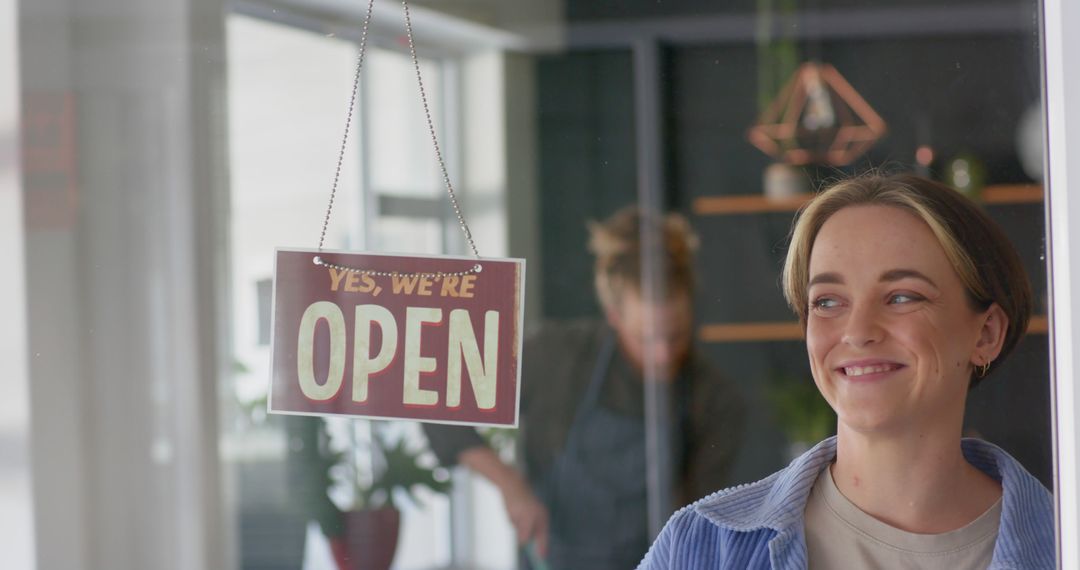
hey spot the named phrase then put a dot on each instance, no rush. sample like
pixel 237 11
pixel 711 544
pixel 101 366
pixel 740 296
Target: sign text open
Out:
pixel 429 348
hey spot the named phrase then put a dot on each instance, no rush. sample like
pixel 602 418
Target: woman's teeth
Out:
pixel 853 371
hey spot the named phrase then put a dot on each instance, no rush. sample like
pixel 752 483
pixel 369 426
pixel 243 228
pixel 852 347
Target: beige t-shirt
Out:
pixel 839 536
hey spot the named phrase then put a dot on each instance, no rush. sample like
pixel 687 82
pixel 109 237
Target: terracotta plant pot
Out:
pixel 371 538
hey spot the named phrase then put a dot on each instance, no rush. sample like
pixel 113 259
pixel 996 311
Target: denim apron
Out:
pixel 595 489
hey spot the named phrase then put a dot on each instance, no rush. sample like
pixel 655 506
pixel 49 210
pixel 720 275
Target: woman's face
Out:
pixel 890 331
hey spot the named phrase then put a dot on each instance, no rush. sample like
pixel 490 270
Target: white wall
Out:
pixel 17 522
pixel 120 244
pixel 58 457
pixel 539 22
pixel 285 121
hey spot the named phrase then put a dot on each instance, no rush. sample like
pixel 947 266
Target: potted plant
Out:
pixel 376 477
pixel 351 486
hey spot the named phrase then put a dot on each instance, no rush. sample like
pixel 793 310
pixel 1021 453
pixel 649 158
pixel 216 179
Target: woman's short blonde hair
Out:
pixel 975 245
pixel 620 250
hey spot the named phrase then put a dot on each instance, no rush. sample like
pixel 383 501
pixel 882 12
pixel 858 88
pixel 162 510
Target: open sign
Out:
pixel 404 341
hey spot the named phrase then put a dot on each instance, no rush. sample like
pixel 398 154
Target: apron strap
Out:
pixel 592 392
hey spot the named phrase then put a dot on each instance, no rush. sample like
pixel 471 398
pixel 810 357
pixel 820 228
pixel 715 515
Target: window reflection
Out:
pixel 949 115
pixel 162 158
pixel 296 481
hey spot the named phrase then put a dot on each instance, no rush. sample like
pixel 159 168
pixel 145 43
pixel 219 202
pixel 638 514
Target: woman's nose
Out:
pixel 862 327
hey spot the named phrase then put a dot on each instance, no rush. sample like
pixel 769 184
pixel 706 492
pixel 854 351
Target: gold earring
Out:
pixel 983 370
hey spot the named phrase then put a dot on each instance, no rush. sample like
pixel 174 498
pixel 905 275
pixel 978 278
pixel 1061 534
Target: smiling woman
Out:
pixel 909 295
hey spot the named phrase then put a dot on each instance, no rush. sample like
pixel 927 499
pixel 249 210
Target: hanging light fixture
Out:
pixel 818 117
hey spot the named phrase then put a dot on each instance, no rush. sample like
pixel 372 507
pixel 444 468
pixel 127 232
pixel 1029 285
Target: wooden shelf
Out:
pixel 1012 194
pixel 756 203
pixel 747 204
pixel 773 331
pixel 749 332
pixel 1040 324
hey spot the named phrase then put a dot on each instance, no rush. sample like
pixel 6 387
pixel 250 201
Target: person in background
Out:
pixel 909 295
pixel 581 498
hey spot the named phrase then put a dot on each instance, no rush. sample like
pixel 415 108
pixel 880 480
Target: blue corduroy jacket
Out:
pixel 760 525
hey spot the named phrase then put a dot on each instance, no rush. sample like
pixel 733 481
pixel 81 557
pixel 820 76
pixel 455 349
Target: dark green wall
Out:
pixel 586 123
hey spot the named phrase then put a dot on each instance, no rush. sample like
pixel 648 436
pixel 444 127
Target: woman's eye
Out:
pixel 824 303
pixel 904 298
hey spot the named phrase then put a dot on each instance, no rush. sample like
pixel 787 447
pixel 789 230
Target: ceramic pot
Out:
pixel 783 181
pixel 371 538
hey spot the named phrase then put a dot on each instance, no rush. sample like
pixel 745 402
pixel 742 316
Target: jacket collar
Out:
pixel 777 503
pixel 1026 535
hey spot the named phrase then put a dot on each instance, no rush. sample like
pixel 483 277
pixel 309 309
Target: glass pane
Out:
pixel 285 126
pixel 167 148
pixel 402 159
pixel 735 132
pixel 408 235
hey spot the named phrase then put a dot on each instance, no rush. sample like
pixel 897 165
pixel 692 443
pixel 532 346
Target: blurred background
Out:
pixel 156 152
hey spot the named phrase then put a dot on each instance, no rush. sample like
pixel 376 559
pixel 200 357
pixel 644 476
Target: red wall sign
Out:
pixel 440 349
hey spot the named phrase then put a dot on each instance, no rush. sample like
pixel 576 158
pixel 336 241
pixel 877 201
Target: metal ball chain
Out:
pixel 318 260
pixel 434 139
pixel 436 275
pixel 348 121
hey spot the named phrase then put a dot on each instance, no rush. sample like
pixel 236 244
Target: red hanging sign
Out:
pixel 403 339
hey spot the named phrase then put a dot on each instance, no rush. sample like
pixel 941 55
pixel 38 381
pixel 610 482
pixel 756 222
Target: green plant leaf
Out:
pixel 800 410
pixel 400 474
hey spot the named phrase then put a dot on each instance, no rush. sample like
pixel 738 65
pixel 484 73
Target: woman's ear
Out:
pixel 994 326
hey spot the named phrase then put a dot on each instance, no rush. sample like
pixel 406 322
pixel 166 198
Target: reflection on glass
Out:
pixel 163 158
pixel 336 493
pixel 399 234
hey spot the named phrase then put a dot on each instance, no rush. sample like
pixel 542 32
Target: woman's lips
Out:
pixel 868 370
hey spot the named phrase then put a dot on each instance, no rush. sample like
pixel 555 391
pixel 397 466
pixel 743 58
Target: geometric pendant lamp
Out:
pixel 818 117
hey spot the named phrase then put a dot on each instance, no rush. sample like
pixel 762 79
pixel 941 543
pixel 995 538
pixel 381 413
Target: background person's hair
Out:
pixel 617 245
pixel 975 245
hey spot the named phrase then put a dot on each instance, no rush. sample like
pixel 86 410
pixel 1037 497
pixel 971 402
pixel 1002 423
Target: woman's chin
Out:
pixel 868 420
